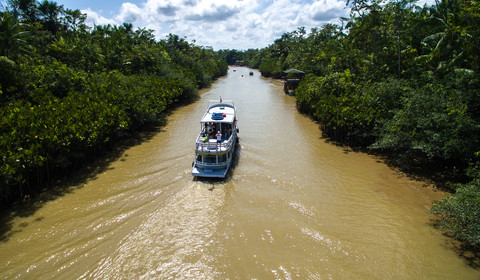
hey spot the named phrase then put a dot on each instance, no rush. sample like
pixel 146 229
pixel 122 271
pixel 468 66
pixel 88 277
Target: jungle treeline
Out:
pixel 68 92
pixel 400 80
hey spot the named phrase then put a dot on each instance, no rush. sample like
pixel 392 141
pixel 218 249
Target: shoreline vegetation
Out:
pixel 401 81
pixel 69 93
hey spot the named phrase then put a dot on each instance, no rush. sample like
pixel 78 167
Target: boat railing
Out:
pixel 211 164
pixel 211 145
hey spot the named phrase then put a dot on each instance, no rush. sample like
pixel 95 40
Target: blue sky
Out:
pixel 106 7
pixel 221 24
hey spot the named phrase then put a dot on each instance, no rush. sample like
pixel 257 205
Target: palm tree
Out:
pixel 13 36
pixel 447 44
pixel 75 20
pixel 26 10
pixel 49 12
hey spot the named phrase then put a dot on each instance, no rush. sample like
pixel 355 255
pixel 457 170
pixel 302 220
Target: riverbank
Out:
pixel 50 139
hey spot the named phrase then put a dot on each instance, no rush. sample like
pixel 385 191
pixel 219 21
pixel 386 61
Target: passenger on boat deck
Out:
pixel 219 137
pixel 210 128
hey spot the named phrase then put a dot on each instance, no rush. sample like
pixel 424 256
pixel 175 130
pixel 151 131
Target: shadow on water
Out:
pixel 469 254
pixel 433 174
pixel 66 185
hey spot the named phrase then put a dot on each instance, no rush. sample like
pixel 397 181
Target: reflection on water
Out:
pixel 292 207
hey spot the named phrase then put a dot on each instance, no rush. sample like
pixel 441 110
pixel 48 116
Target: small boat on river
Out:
pixel 215 144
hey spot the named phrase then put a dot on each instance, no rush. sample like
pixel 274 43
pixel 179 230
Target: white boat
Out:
pixel 216 141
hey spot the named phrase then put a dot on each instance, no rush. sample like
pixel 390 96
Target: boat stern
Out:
pixel 209 172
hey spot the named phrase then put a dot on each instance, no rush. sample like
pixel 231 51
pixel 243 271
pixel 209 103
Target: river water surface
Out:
pixel 293 207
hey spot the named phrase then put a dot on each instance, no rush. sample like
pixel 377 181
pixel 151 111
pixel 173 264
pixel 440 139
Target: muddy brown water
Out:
pixel 293 207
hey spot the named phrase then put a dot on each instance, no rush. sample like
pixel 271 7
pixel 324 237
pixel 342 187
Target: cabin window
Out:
pixel 222 158
pixel 209 159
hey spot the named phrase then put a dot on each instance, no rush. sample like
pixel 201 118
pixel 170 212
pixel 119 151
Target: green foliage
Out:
pixel 334 101
pixel 271 68
pixel 432 124
pixel 250 57
pixel 431 120
pixel 458 214
pixel 68 93
pixel 8 79
pixel 52 133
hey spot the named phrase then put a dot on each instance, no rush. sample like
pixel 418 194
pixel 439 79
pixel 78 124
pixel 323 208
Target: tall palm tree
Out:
pixel 26 10
pixel 75 20
pixel 446 45
pixel 13 36
pixel 50 12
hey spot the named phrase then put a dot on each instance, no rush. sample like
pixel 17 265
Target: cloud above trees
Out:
pixel 225 24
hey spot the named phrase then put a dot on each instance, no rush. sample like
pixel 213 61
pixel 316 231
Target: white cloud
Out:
pixel 326 10
pixel 130 13
pixel 232 24
pixel 214 14
pixel 95 18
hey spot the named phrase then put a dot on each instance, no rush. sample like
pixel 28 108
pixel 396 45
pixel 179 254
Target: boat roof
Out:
pixel 226 108
pixel 293 70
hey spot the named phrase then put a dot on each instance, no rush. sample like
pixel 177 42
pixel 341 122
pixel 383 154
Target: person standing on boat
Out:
pixel 210 128
pixel 219 137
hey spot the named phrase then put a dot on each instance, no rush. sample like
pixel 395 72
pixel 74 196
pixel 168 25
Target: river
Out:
pixel 294 206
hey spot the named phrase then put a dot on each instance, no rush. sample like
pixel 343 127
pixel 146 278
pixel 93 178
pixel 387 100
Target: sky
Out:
pixel 220 24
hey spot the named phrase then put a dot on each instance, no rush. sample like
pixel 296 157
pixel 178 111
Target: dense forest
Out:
pixel 68 92
pixel 399 80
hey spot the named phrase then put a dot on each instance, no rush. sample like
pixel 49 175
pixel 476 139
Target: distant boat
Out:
pixel 251 73
pixel 216 142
